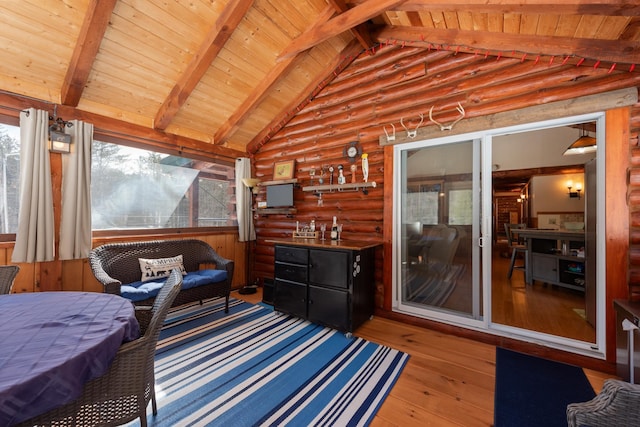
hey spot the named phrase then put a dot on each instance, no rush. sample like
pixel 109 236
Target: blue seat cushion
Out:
pixel 139 291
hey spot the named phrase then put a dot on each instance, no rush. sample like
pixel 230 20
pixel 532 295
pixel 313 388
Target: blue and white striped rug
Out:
pixel 255 366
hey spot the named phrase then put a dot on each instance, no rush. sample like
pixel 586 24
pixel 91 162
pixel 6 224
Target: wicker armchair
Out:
pixel 7 274
pixel 618 404
pixel 123 393
pixel 115 264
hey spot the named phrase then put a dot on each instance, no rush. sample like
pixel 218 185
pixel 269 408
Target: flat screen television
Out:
pixel 280 196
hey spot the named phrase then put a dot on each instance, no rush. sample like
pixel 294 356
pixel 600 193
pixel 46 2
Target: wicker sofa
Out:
pixel 207 274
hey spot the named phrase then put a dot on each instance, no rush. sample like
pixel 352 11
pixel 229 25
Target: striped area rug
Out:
pixel 255 366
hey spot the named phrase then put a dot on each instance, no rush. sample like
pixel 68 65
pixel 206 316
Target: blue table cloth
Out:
pixel 52 343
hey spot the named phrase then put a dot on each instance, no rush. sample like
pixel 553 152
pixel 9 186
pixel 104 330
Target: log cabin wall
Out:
pixel 402 82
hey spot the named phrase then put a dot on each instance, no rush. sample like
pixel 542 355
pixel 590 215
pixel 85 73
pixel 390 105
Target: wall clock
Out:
pixel 352 150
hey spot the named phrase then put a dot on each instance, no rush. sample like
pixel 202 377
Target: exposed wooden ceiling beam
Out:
pixel 280 69
pixel 11 104
pixel 92 31
pixel 339 63
pixel 360 31
pixel 222 30
pixel 615 51
pixel 338 25
pixel 575 7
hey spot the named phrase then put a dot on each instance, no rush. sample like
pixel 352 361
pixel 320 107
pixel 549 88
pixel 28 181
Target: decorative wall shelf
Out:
pixel 334 188
pixel 280 181
pixel 276 211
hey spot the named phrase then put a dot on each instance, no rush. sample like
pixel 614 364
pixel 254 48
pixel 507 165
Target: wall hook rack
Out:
pixel 318 190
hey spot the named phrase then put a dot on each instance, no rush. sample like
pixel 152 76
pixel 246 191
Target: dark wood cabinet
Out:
pixel 331 284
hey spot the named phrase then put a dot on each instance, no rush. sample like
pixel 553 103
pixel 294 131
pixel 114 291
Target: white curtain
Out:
pixel 35 235
pixel 246 230
pixel 75 219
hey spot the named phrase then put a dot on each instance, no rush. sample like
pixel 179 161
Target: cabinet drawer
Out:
pixel 291 272
pixel 292 255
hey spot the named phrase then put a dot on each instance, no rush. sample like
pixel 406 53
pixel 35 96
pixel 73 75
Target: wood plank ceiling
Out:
pixel 228 74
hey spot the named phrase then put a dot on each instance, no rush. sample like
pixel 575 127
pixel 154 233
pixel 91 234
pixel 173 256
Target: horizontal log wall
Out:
pixel 395 83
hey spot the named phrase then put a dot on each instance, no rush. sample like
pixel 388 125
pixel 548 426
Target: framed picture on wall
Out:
pixel 283 170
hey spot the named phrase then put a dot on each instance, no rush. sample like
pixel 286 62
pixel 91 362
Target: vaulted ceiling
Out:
pixel 227 74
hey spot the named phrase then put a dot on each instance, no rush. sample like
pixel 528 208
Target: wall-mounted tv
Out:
pixel 280 196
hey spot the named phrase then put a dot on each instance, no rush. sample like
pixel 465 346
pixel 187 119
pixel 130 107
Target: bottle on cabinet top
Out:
pixel 334 229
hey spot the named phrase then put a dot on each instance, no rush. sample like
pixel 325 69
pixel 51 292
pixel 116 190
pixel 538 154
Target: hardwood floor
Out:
pixel 448 381
pixel 538 307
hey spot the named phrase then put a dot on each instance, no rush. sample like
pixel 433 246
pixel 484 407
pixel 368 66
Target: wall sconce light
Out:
pixel 59 142
pixel 574 194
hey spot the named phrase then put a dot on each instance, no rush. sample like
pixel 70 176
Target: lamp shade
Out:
pixel 250 182
pixel 584 144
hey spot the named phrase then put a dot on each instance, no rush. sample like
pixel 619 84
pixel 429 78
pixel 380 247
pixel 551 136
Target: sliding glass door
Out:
pixel 453 197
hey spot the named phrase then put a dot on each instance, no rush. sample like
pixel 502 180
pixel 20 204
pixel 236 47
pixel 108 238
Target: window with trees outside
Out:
pixel 138 189
pixel 10 176
pixel 134 188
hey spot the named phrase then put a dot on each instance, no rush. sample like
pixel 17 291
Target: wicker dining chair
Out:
pixel 8 274
pixel 617 404
pixel 123 393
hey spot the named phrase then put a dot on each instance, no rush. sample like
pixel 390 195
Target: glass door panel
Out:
pixel 548 191
pixel 439 199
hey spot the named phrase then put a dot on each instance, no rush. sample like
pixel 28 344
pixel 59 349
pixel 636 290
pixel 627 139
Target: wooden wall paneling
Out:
pixel 89 281
pixel 73 278
pixel 617 216
pixel 228 246
pixel 384 296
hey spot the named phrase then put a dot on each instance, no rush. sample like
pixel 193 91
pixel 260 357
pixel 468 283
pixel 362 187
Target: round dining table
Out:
pixel 52 343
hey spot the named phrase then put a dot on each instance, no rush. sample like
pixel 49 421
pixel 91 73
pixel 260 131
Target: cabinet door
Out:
pixel 330 307
pixel 290 298
pixel 330 268
pixel 544 268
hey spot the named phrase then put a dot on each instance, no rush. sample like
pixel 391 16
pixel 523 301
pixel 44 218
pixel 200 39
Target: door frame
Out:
pixel 484 324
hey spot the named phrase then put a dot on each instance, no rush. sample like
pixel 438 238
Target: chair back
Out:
pixel 7 275
pixel 508 229
pixel 162 304
pixel 617 404
pixel 444 244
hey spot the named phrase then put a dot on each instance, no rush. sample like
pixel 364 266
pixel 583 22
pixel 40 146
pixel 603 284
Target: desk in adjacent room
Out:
pixel 547 260
pixel 53 343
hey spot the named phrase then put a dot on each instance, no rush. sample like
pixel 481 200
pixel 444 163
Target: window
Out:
pixel 460 207
pixel 423 203
pixel 138 189
pixel 10 177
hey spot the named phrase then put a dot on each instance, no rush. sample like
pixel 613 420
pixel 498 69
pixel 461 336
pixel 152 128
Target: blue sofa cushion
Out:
pixel 139 291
